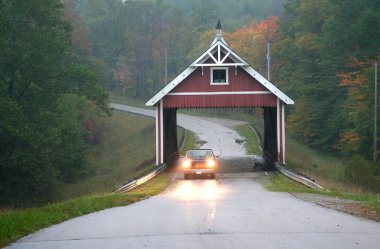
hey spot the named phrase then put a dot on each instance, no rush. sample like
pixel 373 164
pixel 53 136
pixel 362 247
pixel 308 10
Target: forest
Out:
pixel 322 55
pixel 59 59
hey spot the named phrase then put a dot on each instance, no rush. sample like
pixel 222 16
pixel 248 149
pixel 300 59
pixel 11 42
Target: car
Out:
pixel 199 162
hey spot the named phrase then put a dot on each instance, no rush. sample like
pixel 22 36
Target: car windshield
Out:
pixel 199 153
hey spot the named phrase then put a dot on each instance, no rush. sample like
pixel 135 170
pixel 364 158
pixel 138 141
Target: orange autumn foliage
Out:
pixel 251 42
pixel 350 79
pixel 348 138
pixel 357 105
pixel 354 80
pixel 265 31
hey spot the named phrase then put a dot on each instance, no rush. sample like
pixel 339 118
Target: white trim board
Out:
pixel 218 93
pixel 162 130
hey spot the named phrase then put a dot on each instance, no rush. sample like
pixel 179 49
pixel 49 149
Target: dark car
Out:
pixel 199 162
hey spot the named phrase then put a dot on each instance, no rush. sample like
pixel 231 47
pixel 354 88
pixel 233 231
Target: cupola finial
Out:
pixel 219 36
pixel 219 25
pixel 218 30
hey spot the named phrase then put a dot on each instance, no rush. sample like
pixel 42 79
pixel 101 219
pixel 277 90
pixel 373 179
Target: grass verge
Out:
pixel 280 183
pixel 251 144
pixel 19 223
pixel 190 142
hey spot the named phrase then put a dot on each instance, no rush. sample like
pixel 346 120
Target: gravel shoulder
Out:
pixel 343 205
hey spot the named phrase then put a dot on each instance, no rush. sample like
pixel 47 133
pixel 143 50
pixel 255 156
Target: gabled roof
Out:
pixel 219 46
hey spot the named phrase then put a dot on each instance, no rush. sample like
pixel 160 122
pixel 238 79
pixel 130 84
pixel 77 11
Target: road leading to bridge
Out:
pixel 215 134
pixel 234 211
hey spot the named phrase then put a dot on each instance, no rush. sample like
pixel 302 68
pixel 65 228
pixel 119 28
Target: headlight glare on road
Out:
pixel 210 163
pixel 186 164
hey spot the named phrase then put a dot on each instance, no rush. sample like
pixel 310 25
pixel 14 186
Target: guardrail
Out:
pixel 136 182
pixel 298 178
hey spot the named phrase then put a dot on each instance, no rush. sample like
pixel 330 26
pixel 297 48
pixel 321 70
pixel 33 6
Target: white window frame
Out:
pixel 212 76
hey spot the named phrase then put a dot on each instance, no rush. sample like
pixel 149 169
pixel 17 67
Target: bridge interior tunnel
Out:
pixel 170 139
pixel 270 148
pixel 170 147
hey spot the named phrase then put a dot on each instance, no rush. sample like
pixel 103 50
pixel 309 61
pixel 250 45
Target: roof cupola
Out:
pixel 219 36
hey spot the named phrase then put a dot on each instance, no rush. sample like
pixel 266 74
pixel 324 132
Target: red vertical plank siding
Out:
pixel 241 82
pixel 220 101
pixel 195 82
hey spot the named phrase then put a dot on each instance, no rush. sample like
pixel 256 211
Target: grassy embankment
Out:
pixel 123 153
pixel 252 144
pixel 190 141
pixel 126 150
pixel 327 170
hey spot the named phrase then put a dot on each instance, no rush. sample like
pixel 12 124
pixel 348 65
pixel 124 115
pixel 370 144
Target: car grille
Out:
pixel 198 165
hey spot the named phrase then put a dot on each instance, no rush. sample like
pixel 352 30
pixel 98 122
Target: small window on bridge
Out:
pixel 219 76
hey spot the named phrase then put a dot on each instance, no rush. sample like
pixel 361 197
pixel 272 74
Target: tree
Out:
pixel 357 138
pixel 251 42
pixel 79 34
pixel 320 42
pixel 107 24
pixel 42 86
pixel 203 15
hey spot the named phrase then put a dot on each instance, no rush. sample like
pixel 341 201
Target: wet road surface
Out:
pixel 233 211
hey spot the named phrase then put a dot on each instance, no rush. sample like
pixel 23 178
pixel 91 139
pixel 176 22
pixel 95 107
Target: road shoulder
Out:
pixel 343 205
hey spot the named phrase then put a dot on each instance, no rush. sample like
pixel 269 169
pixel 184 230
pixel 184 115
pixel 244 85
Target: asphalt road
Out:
pixel 233 211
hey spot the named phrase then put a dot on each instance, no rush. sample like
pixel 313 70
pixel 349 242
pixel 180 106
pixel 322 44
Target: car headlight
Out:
pixel 210 163
pixel 186 164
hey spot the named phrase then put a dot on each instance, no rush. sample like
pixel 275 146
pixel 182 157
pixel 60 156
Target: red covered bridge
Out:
pixel 220 78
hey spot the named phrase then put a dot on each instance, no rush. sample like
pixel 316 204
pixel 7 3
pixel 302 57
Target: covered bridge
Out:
pixel 220 78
